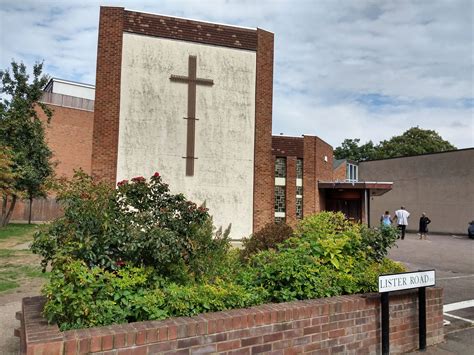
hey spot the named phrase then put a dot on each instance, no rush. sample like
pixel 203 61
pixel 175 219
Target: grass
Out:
pixel 17 230
pixel 18 267
pixel 7 285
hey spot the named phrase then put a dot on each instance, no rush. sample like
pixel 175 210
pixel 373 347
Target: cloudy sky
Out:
pixel 343 69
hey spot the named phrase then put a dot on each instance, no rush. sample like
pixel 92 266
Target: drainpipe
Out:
pixel 366 207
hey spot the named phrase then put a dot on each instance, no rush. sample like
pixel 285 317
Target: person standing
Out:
pixel 386 219
pixel 423 230
pixel 402 216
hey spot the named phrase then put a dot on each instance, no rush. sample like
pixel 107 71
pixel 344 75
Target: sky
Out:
pixel 343 69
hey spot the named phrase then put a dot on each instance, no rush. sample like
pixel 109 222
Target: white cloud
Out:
pixel 327 53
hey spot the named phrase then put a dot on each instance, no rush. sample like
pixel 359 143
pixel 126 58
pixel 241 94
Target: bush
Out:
pixel 329 256
pixel 139 223
pixel 81 297
pixel 266 238
pixel 378 242
pixel 139 253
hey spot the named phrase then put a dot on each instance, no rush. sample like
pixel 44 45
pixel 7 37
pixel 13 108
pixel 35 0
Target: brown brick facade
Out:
pixel 107 94
pixel 345 324
pixel 340 172
pixel 264 166
pixel 317 158
pixel 69 136
pixel 189 30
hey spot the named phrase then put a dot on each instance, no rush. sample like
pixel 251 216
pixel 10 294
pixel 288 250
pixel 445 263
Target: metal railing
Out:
pixel 68 101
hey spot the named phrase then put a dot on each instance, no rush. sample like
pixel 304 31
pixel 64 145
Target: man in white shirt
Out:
pixel 402 216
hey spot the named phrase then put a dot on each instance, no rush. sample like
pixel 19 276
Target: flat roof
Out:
pixel 376 188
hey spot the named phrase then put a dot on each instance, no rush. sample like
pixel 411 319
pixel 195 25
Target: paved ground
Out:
pixel 453 259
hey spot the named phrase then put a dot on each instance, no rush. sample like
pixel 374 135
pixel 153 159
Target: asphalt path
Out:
pixel 452 256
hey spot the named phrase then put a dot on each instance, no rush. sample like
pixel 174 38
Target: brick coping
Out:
pixel 38 337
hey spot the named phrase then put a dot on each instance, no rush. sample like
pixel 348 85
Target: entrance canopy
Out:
pixel 375 188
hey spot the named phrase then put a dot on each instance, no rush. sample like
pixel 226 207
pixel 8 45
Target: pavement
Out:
pixel 452 257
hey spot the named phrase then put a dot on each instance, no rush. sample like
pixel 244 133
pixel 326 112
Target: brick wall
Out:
pixel 340 172
pixel 263 210
pixel 345 324
pixel 324 170
pixel 107 94
pixel 69 136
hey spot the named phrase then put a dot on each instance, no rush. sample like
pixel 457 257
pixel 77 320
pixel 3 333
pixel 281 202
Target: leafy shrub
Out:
pixel 80 297
pixel 328 257
pixel 266 238
pixel 377 242
pixel 139 223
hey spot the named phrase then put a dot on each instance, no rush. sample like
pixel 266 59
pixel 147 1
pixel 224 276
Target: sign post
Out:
pixel 404 281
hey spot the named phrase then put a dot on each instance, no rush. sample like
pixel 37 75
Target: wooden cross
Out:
pixel 192 80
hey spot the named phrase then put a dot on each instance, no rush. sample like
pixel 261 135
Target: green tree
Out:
pixel 22 131
pixel 412 142
pixel 350 149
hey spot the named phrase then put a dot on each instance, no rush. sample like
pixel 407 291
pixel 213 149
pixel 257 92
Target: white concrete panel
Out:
pixel 73 89
pixel 152 134
pixel 279 181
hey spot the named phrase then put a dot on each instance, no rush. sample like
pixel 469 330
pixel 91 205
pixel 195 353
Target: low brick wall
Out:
pixel 345 324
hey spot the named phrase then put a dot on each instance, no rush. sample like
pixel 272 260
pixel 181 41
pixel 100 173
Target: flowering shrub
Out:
pixel 139 252
pixel 140 223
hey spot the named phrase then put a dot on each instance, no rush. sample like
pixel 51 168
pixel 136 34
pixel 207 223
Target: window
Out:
pixel 352 174
pixel 280 167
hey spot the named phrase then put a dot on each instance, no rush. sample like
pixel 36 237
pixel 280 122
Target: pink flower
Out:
pixel 123 182
pixel 138 179
pixel 156 174
pixel 120 263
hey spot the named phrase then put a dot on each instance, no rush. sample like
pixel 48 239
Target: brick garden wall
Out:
pixel 344 324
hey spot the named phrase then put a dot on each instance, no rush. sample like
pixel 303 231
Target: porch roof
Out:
pixel 376 188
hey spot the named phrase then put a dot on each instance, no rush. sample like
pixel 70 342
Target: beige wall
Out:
pixel 442 185
pixel 152 133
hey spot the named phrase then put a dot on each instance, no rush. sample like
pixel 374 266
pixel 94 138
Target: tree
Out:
pixel 22 132
pixel 351 150
pixel 414 141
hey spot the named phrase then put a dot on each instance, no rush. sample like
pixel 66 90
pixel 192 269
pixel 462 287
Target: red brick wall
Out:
pixel 263 196
pixel 340 172
pixel 329 325
pixel 107 94
pixel 309 176
pixel 324 170
pixel 69 136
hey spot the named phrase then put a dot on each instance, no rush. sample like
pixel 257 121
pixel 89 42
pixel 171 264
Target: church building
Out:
pixel 193 101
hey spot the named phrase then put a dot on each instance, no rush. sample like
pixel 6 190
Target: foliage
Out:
pixel 79 296
pixel 267 238
pixel 377 242
pixel 21 130
pixel 414 141
pixel 328 257
pixel 7 176
pixel 140 253
pixel 139 223
pixel 351 150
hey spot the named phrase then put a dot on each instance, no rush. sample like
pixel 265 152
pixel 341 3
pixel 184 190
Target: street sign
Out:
pixel 406 280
